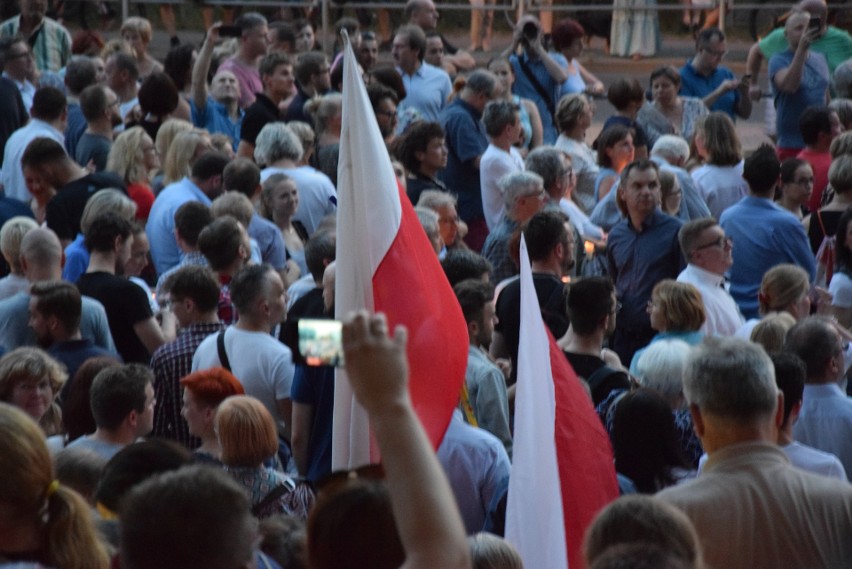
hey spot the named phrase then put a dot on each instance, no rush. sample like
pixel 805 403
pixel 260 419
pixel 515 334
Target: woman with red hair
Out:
pixel 203 391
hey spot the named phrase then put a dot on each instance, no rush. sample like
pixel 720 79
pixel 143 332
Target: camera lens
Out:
pixel 530 31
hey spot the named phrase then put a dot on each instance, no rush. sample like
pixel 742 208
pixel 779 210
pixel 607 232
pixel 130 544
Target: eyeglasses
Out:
pixel 389 114
pixel 715 53
pixel 721 242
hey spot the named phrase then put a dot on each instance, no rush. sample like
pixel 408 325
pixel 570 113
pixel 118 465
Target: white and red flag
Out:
pixel 385 263
pixel 562 465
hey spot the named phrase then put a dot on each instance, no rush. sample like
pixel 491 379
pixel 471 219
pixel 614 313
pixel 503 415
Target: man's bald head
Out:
pixel 41 255
pixel 816 8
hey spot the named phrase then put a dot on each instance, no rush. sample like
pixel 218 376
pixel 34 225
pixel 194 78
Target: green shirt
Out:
pixel 835 45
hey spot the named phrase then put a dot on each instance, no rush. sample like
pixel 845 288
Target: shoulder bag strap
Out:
pixel 223 355
pixel 548 100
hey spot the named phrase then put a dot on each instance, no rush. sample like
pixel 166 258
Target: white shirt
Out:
pixel 26 89
pixel 720 186
pixel 12 176
pixel 585 166
pixel 580 221
pixel 840 288
pixel 494 165
pixel 317 196
pixel 723 317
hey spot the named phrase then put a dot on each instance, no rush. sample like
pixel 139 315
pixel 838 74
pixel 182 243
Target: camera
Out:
pixel 530 32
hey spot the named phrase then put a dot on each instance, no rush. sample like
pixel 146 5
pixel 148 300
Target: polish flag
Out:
pixel 562 467
pixel 385 263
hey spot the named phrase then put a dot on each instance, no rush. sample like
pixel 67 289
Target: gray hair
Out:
pixel 517 185
pixel 434 199
pixel 108 199
pixel 547 162
pixel 814 339
pixel 843 80
pixel 840 174
pixel 661 366
pixel 481 81
pixel 249 21
pixel 731 378
pixel 498 115
pixel 429 220
pixel 80 73
pixel 671 147
pixel 276 141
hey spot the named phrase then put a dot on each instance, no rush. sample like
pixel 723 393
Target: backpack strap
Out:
pixel 223 355
pixel 273 495
pixel 548 99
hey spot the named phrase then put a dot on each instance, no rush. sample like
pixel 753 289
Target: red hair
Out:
pixel 212 386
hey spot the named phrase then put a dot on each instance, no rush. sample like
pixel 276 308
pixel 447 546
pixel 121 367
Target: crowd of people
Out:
pixel 165 224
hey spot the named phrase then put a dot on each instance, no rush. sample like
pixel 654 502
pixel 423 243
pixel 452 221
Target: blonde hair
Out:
pixel 11 235
pixel 105 200
pixel 782 286
pixel 127 156
pixel 116 45
pixel 488 551
pixel 323 108
pixel 29 492
pixel 246 431
pixel 182 153
pixel 771 331
pixel 139 25
pixel 269 186
pixel 29 363
pixel 167 133
pixel 681 305
pixel 235 204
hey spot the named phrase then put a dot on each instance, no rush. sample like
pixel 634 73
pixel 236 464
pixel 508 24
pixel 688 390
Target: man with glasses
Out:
pixel 708 252
pixel 100 108
pixel 715 84
pixel 253 44
pixel 51 43
pixel 766 235
pixel 18 65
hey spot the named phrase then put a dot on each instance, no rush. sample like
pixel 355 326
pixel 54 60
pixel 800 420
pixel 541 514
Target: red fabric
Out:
pixel 583 453
pixel 144 198
pixel 410 287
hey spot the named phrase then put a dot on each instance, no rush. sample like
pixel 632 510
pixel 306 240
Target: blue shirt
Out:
pixel 214 117
pixel 161 221
pixel 637 261
pixel 270 241
pixel 74 128
pixel 825 420
pixel 466 141
pixel 496 250
pixel 314 386
pixel 693 84
pixel 764 235
pixel 76 259
pixel 426 91
pixel 789 106
pixel 525 88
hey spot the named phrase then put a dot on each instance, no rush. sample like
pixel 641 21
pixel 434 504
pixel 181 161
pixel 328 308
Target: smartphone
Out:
pixel 815 23
pixel 320 342
pixel 230 31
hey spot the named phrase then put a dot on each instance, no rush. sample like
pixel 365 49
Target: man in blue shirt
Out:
pixel 221 112
pixel 466 142
pixel 705 78
pixel 642 250
pixel 763 233
pixel 426 86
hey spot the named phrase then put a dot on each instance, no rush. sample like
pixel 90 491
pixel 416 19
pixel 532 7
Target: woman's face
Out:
pixel 305 39
pixel 138 255
pixel 32 396
pixel 150 156
pixel 621 153
pixel 503 71
pixel 655 311
pixel 448 224
pixel 435 156
pixel 134 38
pixel 574 49
pixel 587 115
pixel 663 90
pixel 671 203
pixel 285 198
pixel 802 185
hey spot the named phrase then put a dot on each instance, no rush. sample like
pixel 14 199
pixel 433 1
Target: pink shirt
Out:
pixel 247 77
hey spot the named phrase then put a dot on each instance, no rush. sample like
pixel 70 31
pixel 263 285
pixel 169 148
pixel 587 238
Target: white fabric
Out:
pixel 720 186
pixel 585 166
pixel 723 317
pixel 495 164
pixel 317 197
pixel 368 221
pixel 580 221
pixel 535 524
pixel 262 364
pixel 813 460
pixel 840 288
pixel 12 177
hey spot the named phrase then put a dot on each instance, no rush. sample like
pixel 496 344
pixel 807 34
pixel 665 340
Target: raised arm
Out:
pixel 789 79
pixel 427 517
pixel 202 67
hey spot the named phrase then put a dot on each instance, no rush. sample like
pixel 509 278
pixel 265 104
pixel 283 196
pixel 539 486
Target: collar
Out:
pixel 418 72
pixel 705 276
pixel 469 108
pixel 745 455
pixel 823 390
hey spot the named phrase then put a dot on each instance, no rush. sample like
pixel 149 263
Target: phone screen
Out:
pixel 320 342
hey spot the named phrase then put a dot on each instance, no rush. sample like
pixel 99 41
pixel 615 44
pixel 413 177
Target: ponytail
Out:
pixel 71 539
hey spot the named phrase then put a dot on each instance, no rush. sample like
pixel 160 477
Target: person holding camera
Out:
pixel 539 75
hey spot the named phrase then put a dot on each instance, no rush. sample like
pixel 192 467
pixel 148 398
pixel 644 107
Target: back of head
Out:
pixel 480 82
pixel 276 142
pixel 814 121
pixel 544 231
pixel 158 95
pixel 463 264
pixel 125 62
pixel 190 219
pixel 41 248
pixel 721 140
pixel 840 174
pixel 48 104
pixel 771 331
pixel 106 200
pixel 235 204
pixel 241 175
pixel 153 537
pixel 77 409
pixel 644 520
pixel 80 73
pixel 624 91
pixel 212 386
pixel 93 102
pixel 790 372
pixel 672 148
pixel 208 165
pixel 11 235
pixel 246 432
pixel 59 299
pixel 197 283
pixel 473 295
pixel 587 301
pixel 104 231
pixel 761 170
pixel 547 162
pixel 782 286
pixel 320 250
pixel 220 242
pixel 661 367
pixel 43 152
pixel 569 109
pixel 814 340
pixel 116 391
pixel 415 141
pixel 732 379
pixel 248 286
pixel 680 304
pixel 640 556
pixel 354 526
pixel 134 464
pixel 488 551
pixel 80 469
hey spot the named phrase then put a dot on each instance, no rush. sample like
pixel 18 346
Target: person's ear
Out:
pixel 779 412
pixel 697 420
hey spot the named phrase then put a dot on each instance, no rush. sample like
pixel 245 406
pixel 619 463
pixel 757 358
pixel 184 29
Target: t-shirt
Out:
pixel 65 209
pixel 126 305
pixel 789 106
pixel 261 112
pixel 93 147
pixel 835 45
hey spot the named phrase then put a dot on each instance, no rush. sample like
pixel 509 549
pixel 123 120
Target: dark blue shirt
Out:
pixel 215 118
pixel 693 84
pixel 74 128
pixel 466 141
